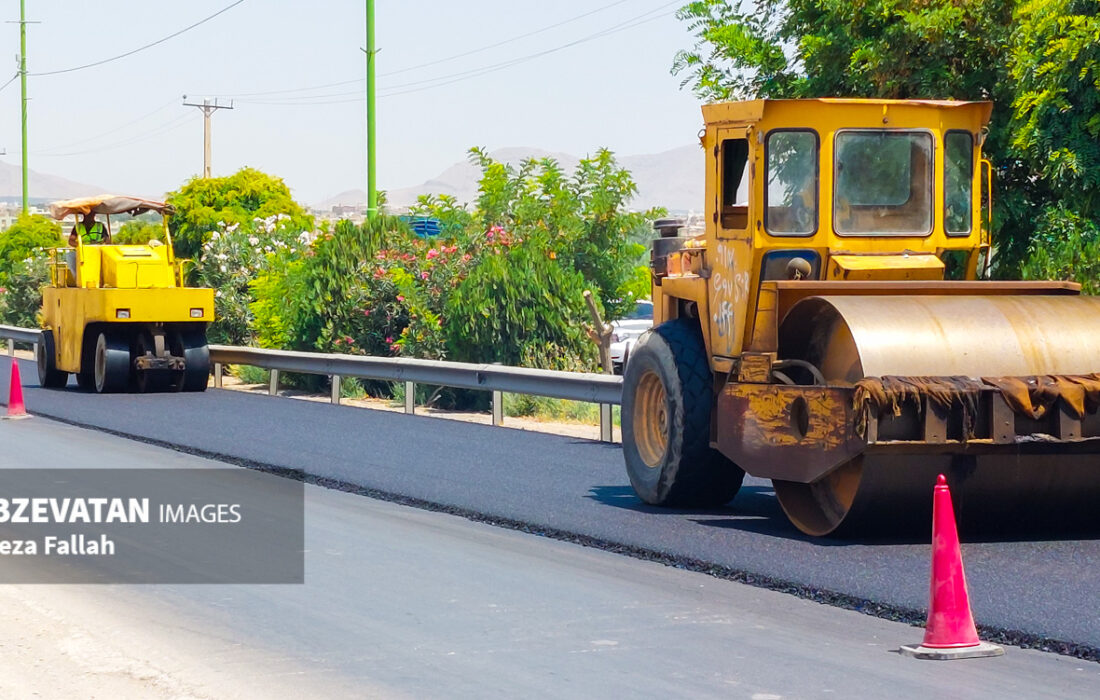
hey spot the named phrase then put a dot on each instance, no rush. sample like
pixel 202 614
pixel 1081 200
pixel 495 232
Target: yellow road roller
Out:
pixel 120 317
pixel 831 330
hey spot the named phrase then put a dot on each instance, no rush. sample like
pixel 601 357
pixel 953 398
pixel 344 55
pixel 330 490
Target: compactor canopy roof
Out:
pixel 754 110
pixel 108 204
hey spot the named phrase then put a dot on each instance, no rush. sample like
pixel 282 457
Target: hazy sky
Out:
pixel 121 125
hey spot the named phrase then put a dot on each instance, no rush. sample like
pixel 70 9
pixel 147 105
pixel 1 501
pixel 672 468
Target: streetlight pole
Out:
pixel 372 186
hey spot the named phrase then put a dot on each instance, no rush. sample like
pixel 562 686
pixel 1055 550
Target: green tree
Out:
pixel 204 205
pixel 24 238
pixel 1055 70
pixel 136 232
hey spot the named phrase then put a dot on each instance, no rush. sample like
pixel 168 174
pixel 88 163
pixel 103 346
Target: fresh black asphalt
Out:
pixel 1036 591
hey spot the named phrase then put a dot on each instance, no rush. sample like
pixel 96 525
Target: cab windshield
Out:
pixel 883 183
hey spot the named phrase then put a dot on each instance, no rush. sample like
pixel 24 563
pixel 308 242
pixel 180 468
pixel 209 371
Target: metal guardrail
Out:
pixel 602 389
pixel 14 335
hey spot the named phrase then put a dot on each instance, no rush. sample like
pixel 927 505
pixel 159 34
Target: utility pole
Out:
pixel 23 101
pixel 208 107
pixel 372 187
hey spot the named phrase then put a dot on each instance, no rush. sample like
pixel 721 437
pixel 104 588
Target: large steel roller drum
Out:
pixel 852 337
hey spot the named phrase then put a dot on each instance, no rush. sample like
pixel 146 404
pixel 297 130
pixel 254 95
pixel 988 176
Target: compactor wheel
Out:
pixel 191 345
pixel 49 375
pixel 667 403
pixel 111 368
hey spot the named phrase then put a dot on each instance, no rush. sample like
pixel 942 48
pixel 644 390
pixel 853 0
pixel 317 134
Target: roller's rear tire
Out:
pixel 190 344
pixel 667 403
pixel 49 376
pixel 111 368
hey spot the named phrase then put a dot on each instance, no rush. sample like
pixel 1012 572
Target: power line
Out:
pixel 439 81
pixel 10 80
pixel 89 139
pixel 140 48
pixel 505 41
pixel 445 59
pixel 171 125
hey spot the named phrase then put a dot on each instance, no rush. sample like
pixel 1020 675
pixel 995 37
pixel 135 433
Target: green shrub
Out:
pixel 21 292
pixel 1065 246
pixel 23 238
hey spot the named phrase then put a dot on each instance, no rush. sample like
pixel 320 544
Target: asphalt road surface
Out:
pixel 1023 589
pixel 404 602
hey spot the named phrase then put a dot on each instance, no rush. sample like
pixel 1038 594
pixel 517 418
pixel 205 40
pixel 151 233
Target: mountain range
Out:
pixel 41 185
pixel 671 179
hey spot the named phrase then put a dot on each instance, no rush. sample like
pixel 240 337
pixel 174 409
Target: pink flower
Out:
pixel 489 234
pixel 400 297
pixel 336 342
pixel 348 340
pixel 366 312
pixel 389 339
pixel 423 275
pixel 466 257
pixel 432 254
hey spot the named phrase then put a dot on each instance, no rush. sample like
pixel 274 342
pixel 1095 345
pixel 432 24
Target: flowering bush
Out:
pixel 231 259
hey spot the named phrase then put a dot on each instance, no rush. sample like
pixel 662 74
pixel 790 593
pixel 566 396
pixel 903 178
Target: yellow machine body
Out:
pixel 846 367
pixel 120 317
pixel 127 284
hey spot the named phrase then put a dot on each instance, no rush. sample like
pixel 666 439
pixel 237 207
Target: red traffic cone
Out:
pixel 16 409
pixel 950 632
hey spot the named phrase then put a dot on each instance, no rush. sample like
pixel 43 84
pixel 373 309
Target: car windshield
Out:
pixel 643 311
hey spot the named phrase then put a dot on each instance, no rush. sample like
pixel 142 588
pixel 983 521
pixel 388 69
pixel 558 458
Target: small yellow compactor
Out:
pixel 120 317
pixel 831 331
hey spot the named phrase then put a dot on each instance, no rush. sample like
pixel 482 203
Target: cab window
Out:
pixel 883 183
pixel 958 182
pixel 735 184
pixel 790 198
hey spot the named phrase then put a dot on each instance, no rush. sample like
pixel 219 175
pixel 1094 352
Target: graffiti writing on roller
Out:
pixel 729 292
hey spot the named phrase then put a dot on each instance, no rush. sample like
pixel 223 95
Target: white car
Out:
pixel 627 331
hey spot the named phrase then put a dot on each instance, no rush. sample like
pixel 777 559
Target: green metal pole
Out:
pixel 23 82
pixel 372 186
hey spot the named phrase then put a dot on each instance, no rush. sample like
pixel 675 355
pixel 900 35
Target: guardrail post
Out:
pixel 11 348
pixel 336 389
pixel 606 424
pixel 273 388
pixel 217 375
pixel 498 408
pixel 410 397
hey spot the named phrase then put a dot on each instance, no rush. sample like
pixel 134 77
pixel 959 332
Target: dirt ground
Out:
pixel 570 429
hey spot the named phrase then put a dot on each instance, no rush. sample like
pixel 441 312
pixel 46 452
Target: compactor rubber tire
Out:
pixel 111 367
pixel 191 345
pixel 667 403
pixel 85 378
pixel 49 376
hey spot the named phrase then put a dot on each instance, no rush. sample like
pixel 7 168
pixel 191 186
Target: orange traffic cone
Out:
pixel 950 632
pixel 16 409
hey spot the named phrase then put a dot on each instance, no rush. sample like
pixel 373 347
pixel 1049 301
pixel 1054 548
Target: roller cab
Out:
pixel 835 307
pixel 120 317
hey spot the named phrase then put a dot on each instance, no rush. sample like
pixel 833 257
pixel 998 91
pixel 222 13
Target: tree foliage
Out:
pixel 204 205
pixel 1036 60
pixel 25 238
